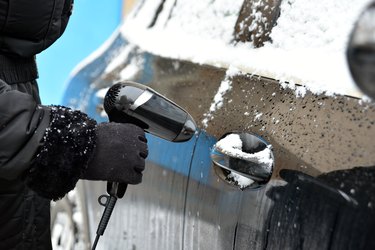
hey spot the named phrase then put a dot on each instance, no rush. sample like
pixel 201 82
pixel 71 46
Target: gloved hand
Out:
pixel 119 155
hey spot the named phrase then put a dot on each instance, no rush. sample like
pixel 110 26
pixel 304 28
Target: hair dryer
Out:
pixel 130 102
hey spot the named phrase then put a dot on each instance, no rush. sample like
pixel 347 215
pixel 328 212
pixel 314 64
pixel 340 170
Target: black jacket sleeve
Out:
pixel 22 126
pixel 48 146
pixel 68 145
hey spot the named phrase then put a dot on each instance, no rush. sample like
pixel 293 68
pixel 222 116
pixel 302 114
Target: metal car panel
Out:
pixel 311 133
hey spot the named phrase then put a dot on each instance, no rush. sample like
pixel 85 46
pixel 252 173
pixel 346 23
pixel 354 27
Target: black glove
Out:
pixel 74 147
pixel 119 155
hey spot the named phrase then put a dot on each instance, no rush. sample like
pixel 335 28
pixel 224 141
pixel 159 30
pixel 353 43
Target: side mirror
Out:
pixel 361 51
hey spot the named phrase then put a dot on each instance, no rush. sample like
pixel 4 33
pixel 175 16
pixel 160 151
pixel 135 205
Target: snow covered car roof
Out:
pixel 294 42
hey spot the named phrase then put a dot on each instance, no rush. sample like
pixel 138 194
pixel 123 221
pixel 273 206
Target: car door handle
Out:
pixel 244 154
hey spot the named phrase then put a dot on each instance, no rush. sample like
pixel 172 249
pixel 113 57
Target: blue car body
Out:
pixel 321 175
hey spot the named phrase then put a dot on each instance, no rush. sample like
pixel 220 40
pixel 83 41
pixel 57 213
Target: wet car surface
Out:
pixel 315 199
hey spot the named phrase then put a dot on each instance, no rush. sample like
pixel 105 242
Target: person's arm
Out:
pixel 51 147
pixel 22 126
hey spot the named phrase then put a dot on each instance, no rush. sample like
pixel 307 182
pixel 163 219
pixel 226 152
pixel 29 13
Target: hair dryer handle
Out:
pixel 116 189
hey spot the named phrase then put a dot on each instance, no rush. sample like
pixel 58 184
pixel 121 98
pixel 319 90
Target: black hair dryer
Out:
pixel 130 102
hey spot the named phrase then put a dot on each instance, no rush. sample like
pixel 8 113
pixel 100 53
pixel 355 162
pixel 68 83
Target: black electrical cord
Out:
pixel 109 206
pixel 95 242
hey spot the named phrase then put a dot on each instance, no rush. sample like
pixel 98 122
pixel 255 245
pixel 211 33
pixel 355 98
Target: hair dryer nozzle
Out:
pixel 110 98
pixel 130 102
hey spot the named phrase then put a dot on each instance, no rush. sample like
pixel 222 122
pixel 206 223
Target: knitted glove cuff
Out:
pixel 68 145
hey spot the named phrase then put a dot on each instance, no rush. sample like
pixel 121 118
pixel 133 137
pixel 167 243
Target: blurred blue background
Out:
pixel 91 24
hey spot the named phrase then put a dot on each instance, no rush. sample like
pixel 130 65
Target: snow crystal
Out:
pixel 242 181
pixel 225 87
pixel 301 91
pixel 258 116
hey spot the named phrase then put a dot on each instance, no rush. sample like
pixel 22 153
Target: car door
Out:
pixel 188 202
pixel 317 143
pixel 218 213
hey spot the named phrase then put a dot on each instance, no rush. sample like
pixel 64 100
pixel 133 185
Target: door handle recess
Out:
pixel 246 155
